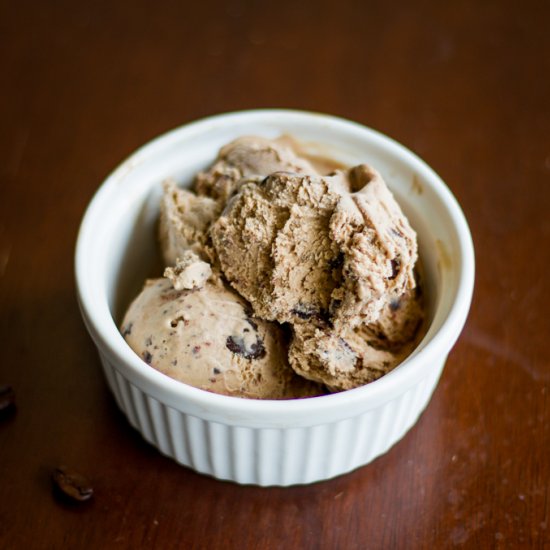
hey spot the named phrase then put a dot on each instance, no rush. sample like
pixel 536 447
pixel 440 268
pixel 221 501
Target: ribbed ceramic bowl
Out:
pixel 267 442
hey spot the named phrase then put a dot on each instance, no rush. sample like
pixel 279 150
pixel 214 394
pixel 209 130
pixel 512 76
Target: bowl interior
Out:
pixel 117 247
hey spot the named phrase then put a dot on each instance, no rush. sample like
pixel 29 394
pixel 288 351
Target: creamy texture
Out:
pixel 207 338
pixel 273 245
pixel 184 222
pixel 331 257
pixel 300 247
pixel 345 359
pixel 378 246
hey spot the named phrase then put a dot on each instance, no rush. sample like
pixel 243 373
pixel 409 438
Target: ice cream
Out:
pixel 328 258
pixel 347 358
pixel 300 246
pixel 244 157
pixel 207 338
pixel 327 254
pixel 186 216
pixel 189 272
pixel 184 222
pixel 273 245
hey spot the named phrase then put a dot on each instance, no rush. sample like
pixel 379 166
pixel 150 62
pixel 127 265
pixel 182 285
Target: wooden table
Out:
pixel 464 84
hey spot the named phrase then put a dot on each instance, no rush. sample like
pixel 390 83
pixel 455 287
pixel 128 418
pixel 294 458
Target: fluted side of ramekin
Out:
pixel 268 442
pixel 265 457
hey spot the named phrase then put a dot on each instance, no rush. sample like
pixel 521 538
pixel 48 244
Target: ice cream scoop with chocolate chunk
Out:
pixel 378 246
pixel 207 338
pixel 354 356
pixel 324 253
pixel 186 215
pixel 273 245
pixel 331 257
pixel 301 246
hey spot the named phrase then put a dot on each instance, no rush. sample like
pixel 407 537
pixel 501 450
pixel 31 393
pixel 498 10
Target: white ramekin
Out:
pixel 267 442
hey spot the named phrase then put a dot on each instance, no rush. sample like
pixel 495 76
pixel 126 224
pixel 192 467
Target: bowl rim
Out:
pixel 177 394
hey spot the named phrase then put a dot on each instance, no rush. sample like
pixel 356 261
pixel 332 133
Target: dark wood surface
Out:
pixel 466 85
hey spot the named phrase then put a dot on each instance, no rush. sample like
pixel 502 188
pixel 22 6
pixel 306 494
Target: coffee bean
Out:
pixel 7 399
pixel 72 485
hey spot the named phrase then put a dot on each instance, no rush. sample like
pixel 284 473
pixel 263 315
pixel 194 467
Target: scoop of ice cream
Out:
pixel 184 222
pixel 354 356
pixel 309 247
pixel 189 272
pixel 185 216
pixel 331 255
pixel 378 247
pixel 244 157
pixel 207 338
pixel 274 247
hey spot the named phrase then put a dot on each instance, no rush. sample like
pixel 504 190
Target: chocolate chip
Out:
pixel 72 485
pixel 395 265
pixel 307 312
pixel 7 400
pixel 175 322
pixel 149 341
pixel 128 329
pixel 336 262
pixel 304 311
pixel 335 306
pixel 171 295
pixel 324 315
pixel 147 357
pixel 216 370
pixel 236 345
pixel 232 345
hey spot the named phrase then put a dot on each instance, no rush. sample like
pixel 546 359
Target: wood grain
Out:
pixel 464 84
